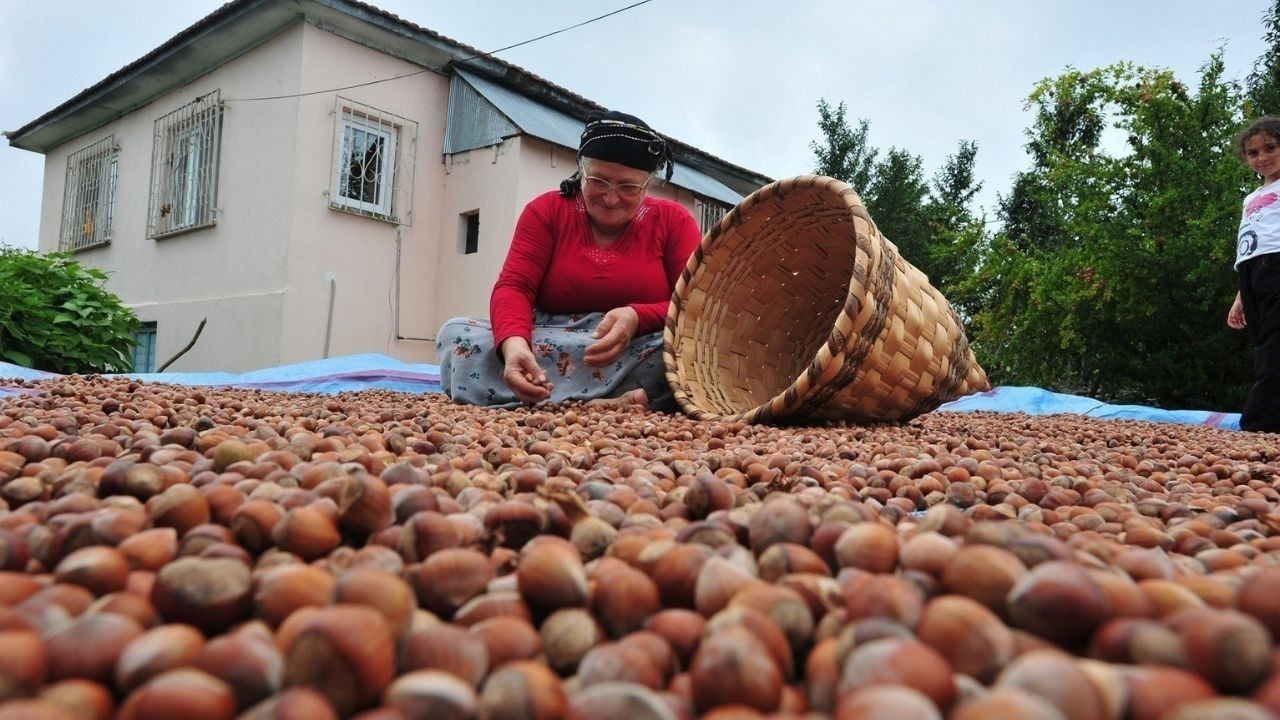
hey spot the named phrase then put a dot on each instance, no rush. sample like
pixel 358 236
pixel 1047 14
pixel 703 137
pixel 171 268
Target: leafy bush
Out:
pixel 56 316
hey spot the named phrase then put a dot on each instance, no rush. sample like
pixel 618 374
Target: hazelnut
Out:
pixel 1057 600
pixel 24 663
pixel 623 598
pixel 731 667
pixel 383 591
pixel 247 660
pixel 681 628
pixel 550 575
pixel 779 519
pixel 448 648
pixel 899 661
pixel 87 700
pixel 162 648
pixel 186 693
pixel 180 507
pixel 150 549
pixel 98 568
pixel 972 638
pixel 282 590
pixel 567 635
pixel 985 573
pixel 886 701
pixel 1058 678
pixel 252 523
pixel 507 638
pixel 1006 703
pixel 718 581
pixel 306 531
pixel 870 546
pixel 612 700
pixel 524 689
pixel 449 578
pixel 209 593
pixel 89 646
pixel 346 652
pixel 432 694
pixel 1155 690
pixel 297 703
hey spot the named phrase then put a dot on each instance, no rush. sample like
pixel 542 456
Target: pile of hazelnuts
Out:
pixel 183 552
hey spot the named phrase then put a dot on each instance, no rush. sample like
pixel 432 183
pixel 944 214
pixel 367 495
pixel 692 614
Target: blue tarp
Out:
pixel 370 371
pixel 1037 401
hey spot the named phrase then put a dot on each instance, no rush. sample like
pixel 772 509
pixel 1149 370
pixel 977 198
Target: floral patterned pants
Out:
pixel 471 372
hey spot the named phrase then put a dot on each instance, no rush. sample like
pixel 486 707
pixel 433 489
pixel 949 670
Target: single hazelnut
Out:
pixel 346 652
pixel 209 593
pixel 432 695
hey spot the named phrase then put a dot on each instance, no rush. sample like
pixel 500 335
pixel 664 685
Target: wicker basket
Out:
pixel 795 309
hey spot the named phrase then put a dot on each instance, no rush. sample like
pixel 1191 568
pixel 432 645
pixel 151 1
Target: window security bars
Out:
pixel 184 167
pixel 373 162
pixel 89 197
pixel 709 213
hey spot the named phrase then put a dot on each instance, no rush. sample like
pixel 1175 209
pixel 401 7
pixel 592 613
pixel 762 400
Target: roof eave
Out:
pixel 214 40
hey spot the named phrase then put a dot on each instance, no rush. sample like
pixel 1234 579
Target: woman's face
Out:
pixel 613 193
pixel 1262 153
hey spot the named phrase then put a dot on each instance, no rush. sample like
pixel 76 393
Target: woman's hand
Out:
pixel 521 372
pixel 613 335
pixel 1235 316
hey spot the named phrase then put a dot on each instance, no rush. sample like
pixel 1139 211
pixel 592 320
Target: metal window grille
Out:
pixel 89 197
pixel 184 167
pixel 373 162
pixel 144 352
pixel 709 214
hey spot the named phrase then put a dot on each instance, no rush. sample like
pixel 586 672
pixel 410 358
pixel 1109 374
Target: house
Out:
pixel 313 178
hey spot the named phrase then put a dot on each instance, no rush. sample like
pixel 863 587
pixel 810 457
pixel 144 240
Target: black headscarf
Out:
pixel 624 139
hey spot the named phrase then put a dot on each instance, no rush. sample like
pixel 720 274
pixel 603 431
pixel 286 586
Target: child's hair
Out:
pixel 1265 125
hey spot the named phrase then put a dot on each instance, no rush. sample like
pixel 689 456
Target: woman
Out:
pixel 577 311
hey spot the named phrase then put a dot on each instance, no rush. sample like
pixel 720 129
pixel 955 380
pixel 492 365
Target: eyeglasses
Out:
pixel 602 186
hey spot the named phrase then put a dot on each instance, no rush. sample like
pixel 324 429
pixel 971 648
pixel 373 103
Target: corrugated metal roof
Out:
pixel 473 122
pixel 540 121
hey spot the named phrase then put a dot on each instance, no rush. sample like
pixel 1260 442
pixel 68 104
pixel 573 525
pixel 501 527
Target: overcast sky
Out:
pixel 737 78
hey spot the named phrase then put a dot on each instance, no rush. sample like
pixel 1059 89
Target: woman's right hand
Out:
pixel 1235 316
pixel 521 372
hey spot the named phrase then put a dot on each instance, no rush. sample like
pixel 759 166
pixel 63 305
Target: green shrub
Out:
pixel 55 315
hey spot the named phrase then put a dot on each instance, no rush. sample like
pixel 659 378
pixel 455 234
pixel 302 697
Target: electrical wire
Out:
pixel 455 62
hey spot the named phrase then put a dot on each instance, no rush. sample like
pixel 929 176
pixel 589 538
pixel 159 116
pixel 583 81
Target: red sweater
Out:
pixel 554 264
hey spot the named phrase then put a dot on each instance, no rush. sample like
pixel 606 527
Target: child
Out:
pixel 1257 304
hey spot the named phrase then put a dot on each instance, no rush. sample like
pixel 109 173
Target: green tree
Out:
pixel 896 199
pixel 955 234
pixel 844 153
pixel 1264 82
pixel 56 315
pixel 1112 273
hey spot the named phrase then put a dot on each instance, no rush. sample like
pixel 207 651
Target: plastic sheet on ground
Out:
pixel 348 373
pixel 374 371
pixel 1037 401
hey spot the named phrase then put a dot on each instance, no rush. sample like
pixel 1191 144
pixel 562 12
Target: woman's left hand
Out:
pixel 613 335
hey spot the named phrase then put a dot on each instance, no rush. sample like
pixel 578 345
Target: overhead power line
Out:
pixel 455 62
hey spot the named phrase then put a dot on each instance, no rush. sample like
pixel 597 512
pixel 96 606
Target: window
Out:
pixel 89 198
pixel 144 352
pixel 184 167
pixel 469 237
pixel 372 162
pixel 709 213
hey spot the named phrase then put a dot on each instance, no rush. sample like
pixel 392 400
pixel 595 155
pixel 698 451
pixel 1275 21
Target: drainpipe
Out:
pixel 328 325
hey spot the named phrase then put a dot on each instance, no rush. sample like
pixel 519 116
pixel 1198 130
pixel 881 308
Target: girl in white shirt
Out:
pixel 1257 304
